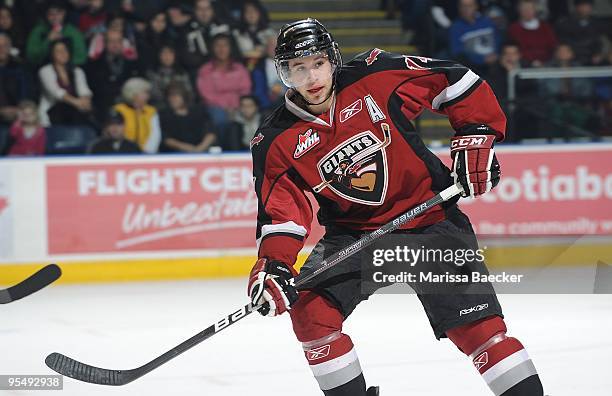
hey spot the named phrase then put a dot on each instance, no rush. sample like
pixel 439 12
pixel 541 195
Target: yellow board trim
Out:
pixel 234 266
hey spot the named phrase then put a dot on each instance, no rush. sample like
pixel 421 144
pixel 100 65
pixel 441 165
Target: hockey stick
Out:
pixel 95 375
pixel 387 133
pixel 34 283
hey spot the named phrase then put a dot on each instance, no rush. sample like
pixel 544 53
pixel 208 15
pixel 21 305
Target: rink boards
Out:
pixel 175 217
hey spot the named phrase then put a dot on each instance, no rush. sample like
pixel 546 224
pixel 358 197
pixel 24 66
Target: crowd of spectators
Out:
pixel 145 76
pixel 187 75
pixel 494 37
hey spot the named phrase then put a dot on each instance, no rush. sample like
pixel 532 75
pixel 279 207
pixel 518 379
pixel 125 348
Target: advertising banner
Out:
pixel 209 203
pixel 558 191
pixel 150 206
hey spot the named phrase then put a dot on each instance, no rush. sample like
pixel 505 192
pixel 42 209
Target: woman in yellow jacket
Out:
pixel 141 119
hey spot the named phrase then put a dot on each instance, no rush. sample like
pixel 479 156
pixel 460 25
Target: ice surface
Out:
pixel 122 326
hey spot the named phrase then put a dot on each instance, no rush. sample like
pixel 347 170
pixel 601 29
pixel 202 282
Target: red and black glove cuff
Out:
pixel 475 165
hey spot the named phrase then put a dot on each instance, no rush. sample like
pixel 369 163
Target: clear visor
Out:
pixel 297 72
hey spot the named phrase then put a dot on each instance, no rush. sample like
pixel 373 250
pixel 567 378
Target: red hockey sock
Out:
pixel 330 353
pixel 502 361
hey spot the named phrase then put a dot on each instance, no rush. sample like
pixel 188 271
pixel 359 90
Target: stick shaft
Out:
pixel 83 372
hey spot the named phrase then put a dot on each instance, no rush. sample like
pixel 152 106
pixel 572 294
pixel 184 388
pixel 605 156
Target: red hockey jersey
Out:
pixel 363 161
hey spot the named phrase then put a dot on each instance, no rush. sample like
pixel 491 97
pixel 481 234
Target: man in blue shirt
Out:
pixel 474 38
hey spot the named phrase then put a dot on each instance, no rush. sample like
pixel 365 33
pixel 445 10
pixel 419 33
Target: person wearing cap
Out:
pixel 53 28
pixel 113 139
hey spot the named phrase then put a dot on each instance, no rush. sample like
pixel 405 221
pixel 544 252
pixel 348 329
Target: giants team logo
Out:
pixel 306 142
pixel 351 110
pixel 481 360
pixel 356 169
pixel 318 353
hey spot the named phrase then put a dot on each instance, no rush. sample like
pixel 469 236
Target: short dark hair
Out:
pixel 250 97
pixel 178 88
pixel 57 4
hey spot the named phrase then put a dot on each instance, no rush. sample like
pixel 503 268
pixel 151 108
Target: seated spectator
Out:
pixel 54 28
pixel 568 99
pixel 267 87
pixel 141 119
pixel 522 123
pixel 231 9
pixel 205 25
pixel 179 16
pixel 535 37
pixel 185 127
pixel 27 136
pixel 154 36
pixel 166 73
pixel 566 88
pixel 240 132
pixel 108 73
pixel 584 33
pixel 9 27
pixel 113 139
pixel 142 10
pixel 15 82
pixel 66 97
pixel 474 39
pixel 26 13
pixel 417 28
pixel 253 32
pixel 118 24
pixel 222 81
pixel 92 20
pixel 276 88
pixel 509 59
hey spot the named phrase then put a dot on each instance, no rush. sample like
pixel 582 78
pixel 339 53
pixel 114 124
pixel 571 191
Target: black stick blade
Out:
pixel 86 373
pixel 34 283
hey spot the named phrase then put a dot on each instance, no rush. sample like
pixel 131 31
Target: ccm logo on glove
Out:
pixel 475 165
pixel 475 141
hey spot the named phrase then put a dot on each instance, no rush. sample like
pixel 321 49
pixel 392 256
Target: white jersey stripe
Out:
pixel 286 228
pixel 457 89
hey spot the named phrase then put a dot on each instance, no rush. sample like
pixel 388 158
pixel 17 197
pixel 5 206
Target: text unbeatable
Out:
pixel 140 181
pixel 429 277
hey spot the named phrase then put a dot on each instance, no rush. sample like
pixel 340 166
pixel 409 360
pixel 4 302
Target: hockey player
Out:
pixel 345 134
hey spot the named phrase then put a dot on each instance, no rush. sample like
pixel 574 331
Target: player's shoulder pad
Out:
pixel 277 122
pixel 378 60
